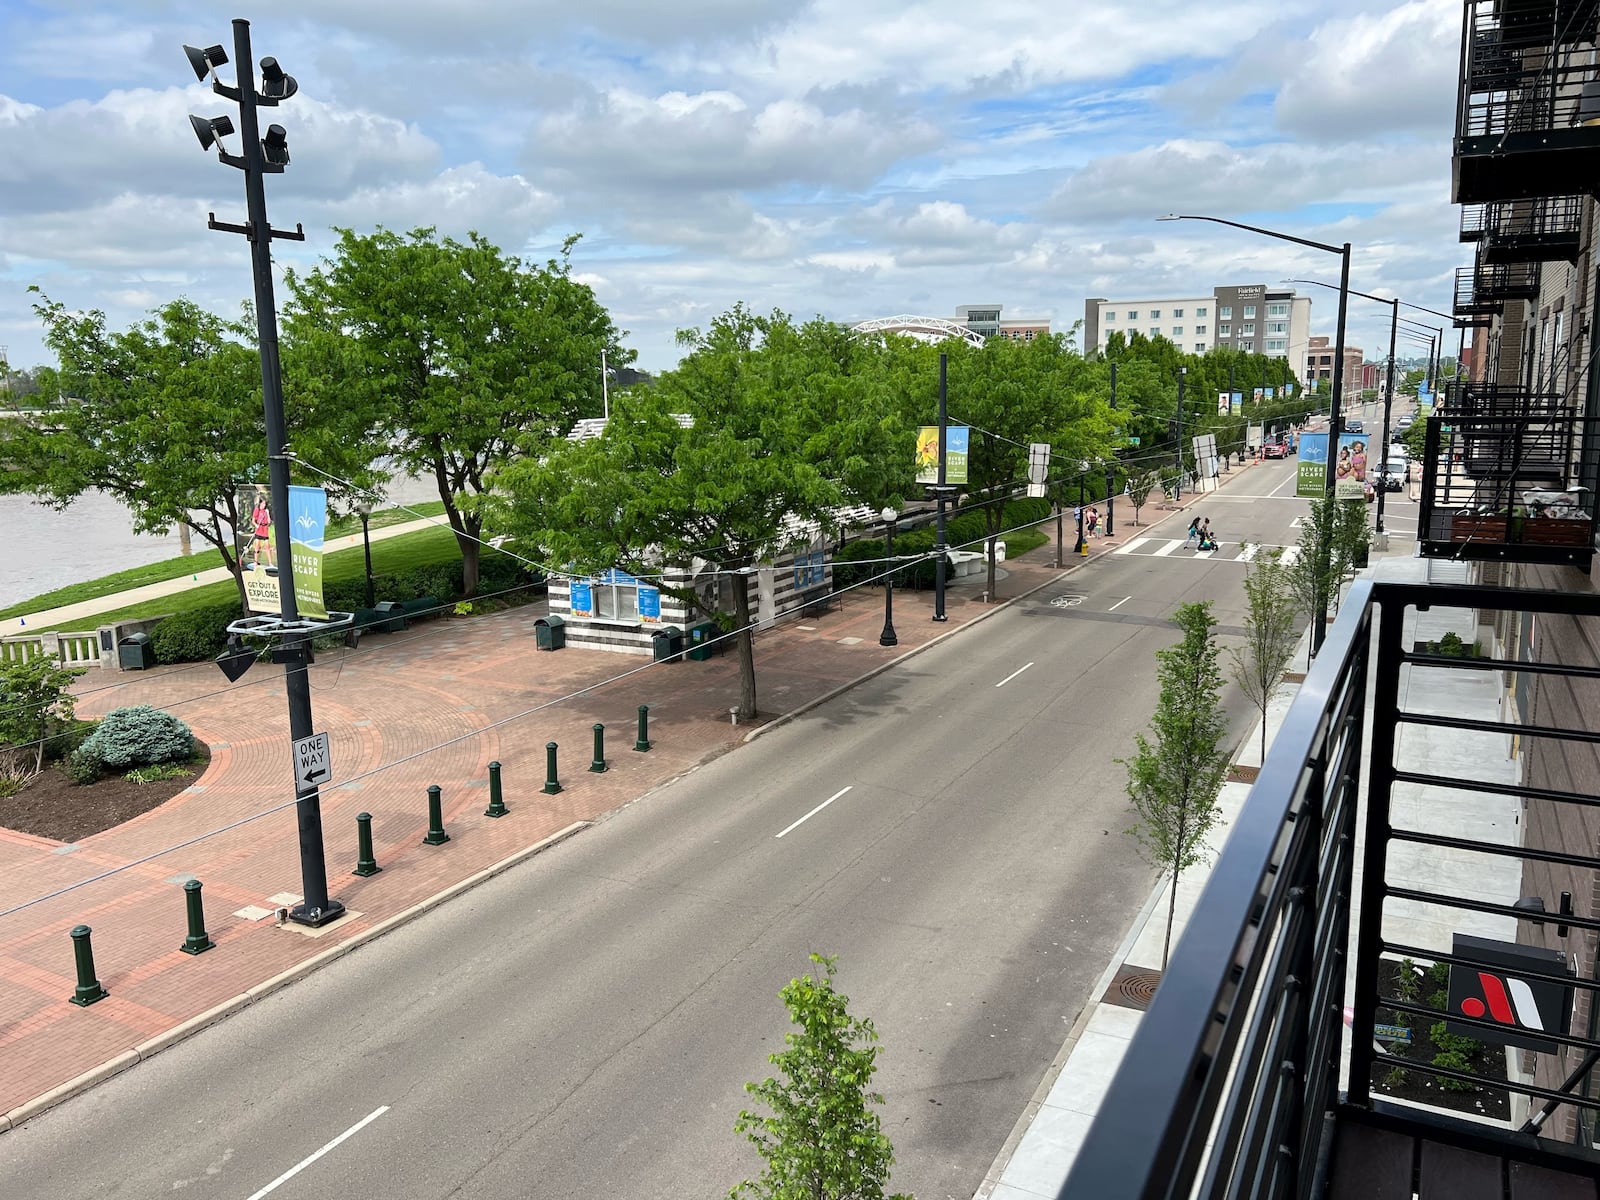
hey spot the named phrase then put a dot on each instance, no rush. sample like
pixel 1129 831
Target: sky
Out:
pixel 832 157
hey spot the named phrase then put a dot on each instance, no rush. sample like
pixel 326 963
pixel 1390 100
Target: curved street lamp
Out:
pixel 1319 629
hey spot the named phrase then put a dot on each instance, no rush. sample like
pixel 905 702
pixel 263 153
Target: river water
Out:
pixel 41 549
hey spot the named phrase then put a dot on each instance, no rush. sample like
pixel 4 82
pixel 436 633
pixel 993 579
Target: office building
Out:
pixel 1254 318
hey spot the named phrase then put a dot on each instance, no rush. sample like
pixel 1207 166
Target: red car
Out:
pixel 1275 450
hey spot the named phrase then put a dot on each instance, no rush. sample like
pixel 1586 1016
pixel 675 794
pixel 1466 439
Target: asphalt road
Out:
pixel 583 1025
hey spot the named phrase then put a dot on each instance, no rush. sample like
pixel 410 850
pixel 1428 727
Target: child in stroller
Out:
pixel 1207 540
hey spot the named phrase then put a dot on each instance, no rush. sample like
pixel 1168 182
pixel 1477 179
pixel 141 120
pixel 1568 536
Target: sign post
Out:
pixel 313 765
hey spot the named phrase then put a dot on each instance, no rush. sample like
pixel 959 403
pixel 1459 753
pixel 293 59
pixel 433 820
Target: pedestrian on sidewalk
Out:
pixel 1094 522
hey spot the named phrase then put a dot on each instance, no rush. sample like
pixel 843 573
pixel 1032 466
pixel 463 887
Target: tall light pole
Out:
pixel 1319 631
pixel 942 492
pixel 268 156
pixel 1177 484
pixel 364 510
pixel 887 637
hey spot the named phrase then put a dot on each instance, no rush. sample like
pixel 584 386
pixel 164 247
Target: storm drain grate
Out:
pixel 1133 987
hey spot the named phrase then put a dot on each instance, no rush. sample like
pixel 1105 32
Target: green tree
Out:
pixel 462 356
pixel 1352 539
pixel 34 704
pixel 1269 633
pixel 166 417
pixel 762 433
pixel 1314 573
pixel 1174 780
pixel 823 1139
pixel 1139 488
pixel 1011 394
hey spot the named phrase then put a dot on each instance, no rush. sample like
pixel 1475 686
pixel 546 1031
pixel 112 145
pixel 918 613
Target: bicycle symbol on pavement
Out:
pixel 1067 601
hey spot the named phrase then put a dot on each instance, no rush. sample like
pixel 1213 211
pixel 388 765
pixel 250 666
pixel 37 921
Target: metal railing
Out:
pixel 1231 1084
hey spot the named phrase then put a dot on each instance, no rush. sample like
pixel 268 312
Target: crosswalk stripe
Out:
pixel 1249 551
pixel 1168 548
pixel 1290 553
pixel 1131 546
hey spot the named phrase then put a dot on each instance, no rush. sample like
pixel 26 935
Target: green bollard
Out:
pixel 88 989
pixel 198 942
pixel 551 784
pixel 497 803
pixel 366 864
pixel 599 763
pixel 436 834
pixel 643 742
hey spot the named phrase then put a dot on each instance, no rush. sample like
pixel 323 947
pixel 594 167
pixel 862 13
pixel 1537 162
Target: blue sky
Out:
pixel 818 156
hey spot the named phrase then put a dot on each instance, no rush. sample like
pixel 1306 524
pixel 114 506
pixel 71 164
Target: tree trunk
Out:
pixel 1172 910
pixel 747 647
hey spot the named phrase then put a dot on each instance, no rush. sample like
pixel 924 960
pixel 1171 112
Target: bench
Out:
pixel 818 601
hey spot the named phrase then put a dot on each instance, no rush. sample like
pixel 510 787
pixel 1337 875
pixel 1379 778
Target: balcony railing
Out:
pixel 1468 301
pixel 1236 1083
pixel 1525 231
pixel 1504 280
pixel 1526 103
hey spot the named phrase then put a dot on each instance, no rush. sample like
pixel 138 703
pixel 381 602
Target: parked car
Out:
pixel 1394 474
pixel 1274 450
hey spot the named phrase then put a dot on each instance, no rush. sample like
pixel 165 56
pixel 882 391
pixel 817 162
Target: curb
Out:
pixel 1002 1160
pixel 211 1016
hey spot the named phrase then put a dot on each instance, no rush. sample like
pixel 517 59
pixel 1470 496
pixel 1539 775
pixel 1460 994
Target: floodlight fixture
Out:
pixel 205 62
pixel 210 130
pixel 236 659
pixel 276 146
pixel 275 85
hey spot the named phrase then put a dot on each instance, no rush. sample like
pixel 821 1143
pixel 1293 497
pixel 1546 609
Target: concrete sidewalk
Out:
pixel 54 617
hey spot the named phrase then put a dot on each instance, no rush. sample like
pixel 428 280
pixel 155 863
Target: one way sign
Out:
pixel 313 765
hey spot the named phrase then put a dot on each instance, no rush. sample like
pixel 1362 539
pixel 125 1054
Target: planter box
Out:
pixel 1556 531
pixel 1478 529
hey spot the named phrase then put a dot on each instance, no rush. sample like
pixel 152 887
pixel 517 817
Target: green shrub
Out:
pixel 1440 974
pixel 157 772
pixel 81 766
pixel 193 636
pixel 1395 1076
pixel 1454 1060
pixel 68 739
pixel 138 736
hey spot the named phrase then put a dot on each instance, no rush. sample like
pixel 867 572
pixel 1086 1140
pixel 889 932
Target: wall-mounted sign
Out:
pixel 649 605
pixel 1496 988
pixel 582 598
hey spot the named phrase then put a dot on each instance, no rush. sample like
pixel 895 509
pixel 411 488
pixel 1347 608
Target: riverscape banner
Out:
pixel 1350 469
pixel 308 523
pixel 957 441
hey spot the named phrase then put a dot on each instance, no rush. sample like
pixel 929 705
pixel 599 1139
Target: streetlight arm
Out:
pixel 1333 287
pixel 1272 233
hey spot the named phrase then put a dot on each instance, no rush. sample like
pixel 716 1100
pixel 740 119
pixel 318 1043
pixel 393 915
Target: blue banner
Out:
pixel 582 598
pixel 649 605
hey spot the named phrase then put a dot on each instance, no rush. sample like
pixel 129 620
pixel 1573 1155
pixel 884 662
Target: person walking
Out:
pixel 1194 532
pixel 1094 522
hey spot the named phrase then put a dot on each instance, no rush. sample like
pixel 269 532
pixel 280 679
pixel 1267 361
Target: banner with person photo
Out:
pixel 1351 467
pixel 308 521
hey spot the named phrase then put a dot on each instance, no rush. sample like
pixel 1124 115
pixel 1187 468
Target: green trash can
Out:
pixel 550 632
pixel 391 617
pixel 667 642
pixel 135 653
pixel 705 640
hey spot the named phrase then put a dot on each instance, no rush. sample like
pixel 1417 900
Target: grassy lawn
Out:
pixel 425 547
pixel 192 564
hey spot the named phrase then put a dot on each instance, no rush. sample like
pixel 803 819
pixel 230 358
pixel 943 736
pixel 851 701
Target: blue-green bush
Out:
pixel 138 736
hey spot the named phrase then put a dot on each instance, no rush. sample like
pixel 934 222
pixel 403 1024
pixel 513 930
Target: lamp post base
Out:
pixel 887 637
pixel 315 917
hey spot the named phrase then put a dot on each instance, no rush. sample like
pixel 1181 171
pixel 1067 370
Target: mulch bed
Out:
pixel 52 806
pixel 1238 774
pixel 1484 1059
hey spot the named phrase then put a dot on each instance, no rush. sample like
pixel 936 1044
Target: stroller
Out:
pixel 1208 541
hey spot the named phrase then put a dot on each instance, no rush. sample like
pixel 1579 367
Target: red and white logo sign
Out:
pixel 1505 999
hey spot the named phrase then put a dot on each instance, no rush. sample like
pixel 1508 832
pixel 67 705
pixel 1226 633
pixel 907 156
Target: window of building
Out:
pixel 1111 314
pixel 1177 312
pixel 1277 327
pixel 1200 330
pixel 1155 331
pixel 1249 310
pixel 1199 347
pixel 1177 331
pixel 1225 312
pixel 1224 330
pixel 613 596
pixel 1277 345
pixel 1155 314
pixel 1326 359
pixel 1133 314
pixel 1248 331
pixel 1277 310
pixel 1200 312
